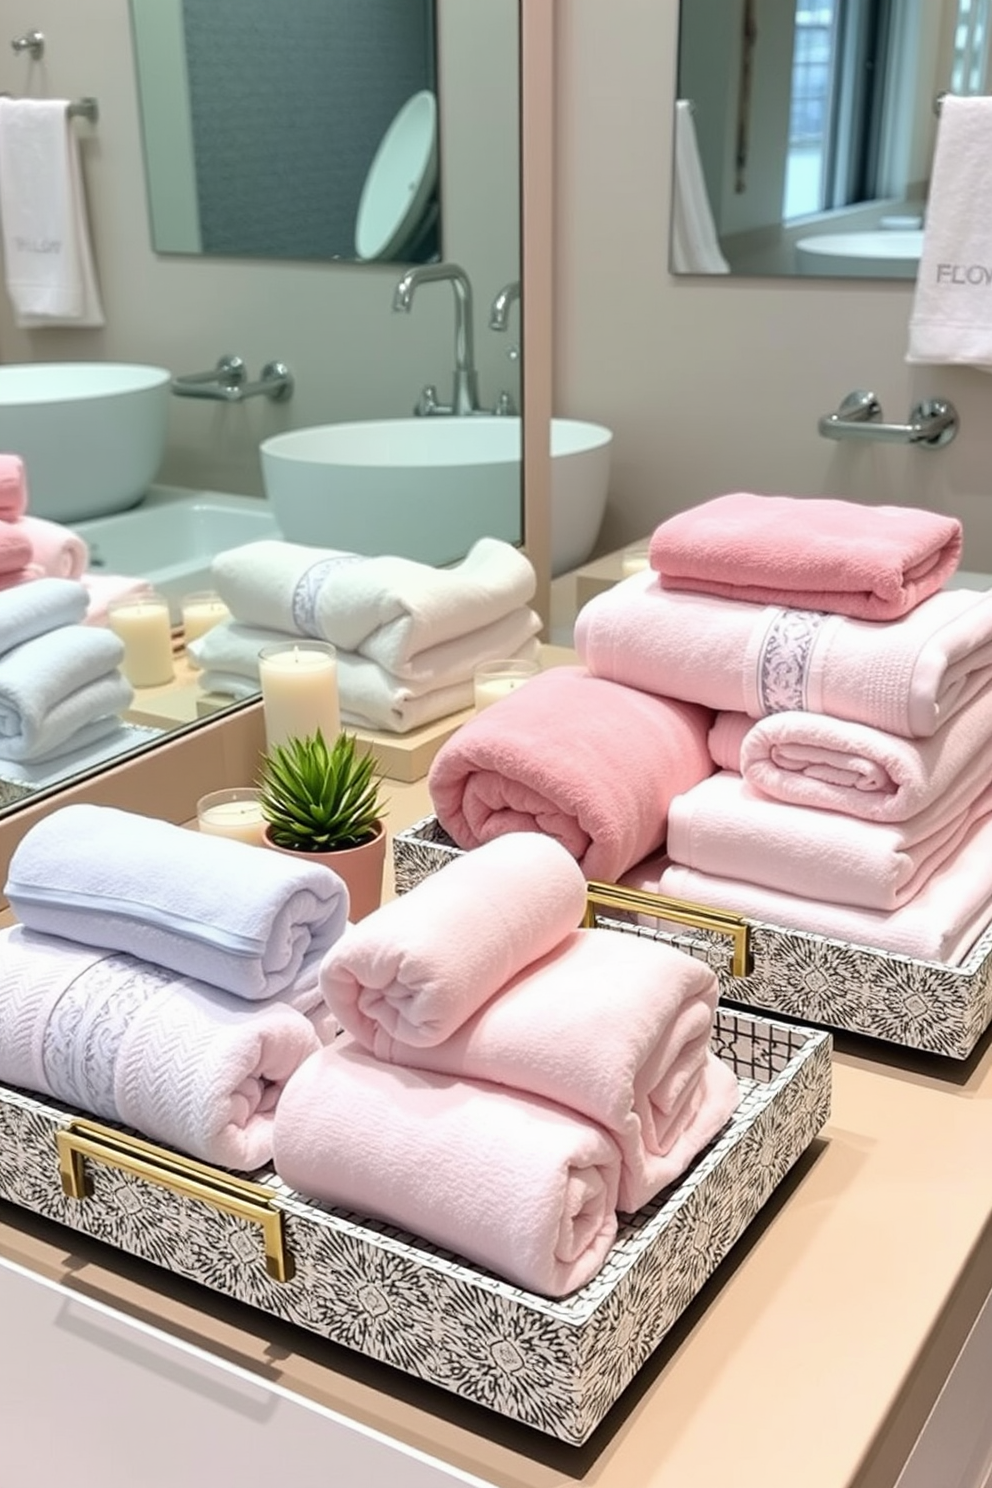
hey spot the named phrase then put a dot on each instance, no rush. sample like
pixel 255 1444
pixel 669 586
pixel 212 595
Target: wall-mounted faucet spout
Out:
pixel 465 393
pixel 499 314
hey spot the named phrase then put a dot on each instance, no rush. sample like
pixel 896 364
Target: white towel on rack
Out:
pixel 48 258
pixel 951 318
pixel 695 246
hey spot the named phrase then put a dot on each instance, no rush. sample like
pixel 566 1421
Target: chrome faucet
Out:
pixel 465 392
pixel 499 315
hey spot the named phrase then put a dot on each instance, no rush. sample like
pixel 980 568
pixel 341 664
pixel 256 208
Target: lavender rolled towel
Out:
pixel 506 1180
pixel 224 912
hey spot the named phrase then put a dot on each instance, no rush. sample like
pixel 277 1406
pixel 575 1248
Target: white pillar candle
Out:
pixel 201 612
pixel 495 679
pixel 232 813
pixel 144 626
pixel 299 691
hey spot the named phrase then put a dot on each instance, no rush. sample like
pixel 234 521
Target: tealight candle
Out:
pixel 493 680
pixel 143 624
pixel 634 560
pixel 201 612
pixel 232 813
pixel 299 683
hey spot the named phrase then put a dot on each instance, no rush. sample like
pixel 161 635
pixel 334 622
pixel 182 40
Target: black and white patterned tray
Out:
pixel 558 1365
pixel 921 1005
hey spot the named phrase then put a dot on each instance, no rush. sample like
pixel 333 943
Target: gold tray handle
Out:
pixel 83 1139
pixel 698 916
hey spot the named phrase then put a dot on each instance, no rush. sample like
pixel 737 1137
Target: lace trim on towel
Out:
pixel 84 1033
pixel 783 663
pixel 308 588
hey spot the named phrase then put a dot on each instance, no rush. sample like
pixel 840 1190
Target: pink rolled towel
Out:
pixel 13 488
pixel 16 562
pixel 56 550
pixel 508 1181
pixel 583 760
pixel 614 1028
pixel 423 963
pixel 723 826
pixel 870 562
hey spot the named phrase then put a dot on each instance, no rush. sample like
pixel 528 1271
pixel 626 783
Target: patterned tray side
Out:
pixel 554 1365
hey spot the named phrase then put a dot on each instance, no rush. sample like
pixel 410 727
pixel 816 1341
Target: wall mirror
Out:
pixel 811 126
pixel 304 131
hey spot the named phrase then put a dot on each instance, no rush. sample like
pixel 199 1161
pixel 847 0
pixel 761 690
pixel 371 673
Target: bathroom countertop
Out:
pixel 812 1357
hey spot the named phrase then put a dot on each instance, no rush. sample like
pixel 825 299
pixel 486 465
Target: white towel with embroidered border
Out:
pixel 48 256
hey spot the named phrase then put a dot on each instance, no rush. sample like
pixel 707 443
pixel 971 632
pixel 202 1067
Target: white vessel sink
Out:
pixel 91 434
pixel 427 488
pixel 883 254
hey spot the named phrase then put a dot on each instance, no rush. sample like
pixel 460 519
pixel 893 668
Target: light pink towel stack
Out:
pixel 55 550
pixel 572 756
pixel 13 488
pixel 507 1180
pixel 614 1028
pixel 869 562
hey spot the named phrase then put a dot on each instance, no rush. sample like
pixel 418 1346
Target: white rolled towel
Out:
pixel 236 916
pixel 388 609
pixel 129 1041
pixel 55 685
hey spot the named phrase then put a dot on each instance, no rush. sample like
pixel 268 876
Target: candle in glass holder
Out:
pixel 143 624
pixel 634 560
pixel 299 683
pixel 232 813
pixel 493 680
pixel 201 612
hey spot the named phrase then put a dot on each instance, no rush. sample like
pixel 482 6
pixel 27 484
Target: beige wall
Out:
pixel 712 385
pixel 332 324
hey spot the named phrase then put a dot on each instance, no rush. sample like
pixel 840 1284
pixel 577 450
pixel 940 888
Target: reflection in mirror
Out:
pixel 302 131
pixel 814 124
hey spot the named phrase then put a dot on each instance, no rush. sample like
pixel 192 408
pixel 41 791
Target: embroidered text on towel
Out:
pixel 308 588
pixel 784 659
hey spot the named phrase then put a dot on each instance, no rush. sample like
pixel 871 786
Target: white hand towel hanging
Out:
pixel 695 245
pixel 48 259
pixel 951 319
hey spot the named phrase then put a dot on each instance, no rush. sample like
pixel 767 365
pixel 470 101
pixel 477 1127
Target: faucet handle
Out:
pixel 505 404
pixel 427 403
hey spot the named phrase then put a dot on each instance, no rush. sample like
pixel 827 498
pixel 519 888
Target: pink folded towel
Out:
pixel 722 826
pixel 578 758
pixel 614 1028
pixel 56 550
pixel 129 1041
pixel 907 676
pixel 13 488
pixel 941 924
pixel 104 588
pixel 16 562
pixel 423 963
pixel 726 737
pixel 810 760
pixel 871 562
pixel 508 1181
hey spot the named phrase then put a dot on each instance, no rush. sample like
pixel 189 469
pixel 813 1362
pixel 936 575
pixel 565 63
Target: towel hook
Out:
pixel 32 42
pixel 932 423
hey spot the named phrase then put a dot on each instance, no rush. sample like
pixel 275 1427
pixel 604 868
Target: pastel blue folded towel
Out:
pixel 29 610
pixel 56 685
pixel 239 917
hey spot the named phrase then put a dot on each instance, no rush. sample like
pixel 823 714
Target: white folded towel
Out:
pixel 128 1041
pixel 388 609
pixel 951 318
pixel 29 610
pixel 53 686
pixel 48 257
pixel 239 917
pixel 438 685
pixel 695 245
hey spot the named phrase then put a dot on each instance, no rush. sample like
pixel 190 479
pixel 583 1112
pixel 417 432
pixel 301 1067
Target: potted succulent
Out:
pixel 324 801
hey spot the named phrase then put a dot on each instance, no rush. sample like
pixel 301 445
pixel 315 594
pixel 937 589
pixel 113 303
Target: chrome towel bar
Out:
pixel 228 383
pixel 932 423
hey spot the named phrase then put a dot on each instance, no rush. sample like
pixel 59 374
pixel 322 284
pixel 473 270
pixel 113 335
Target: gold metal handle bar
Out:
pixel 698 916
pixel 182 1175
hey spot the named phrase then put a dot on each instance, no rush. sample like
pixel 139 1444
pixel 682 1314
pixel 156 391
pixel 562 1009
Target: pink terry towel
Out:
pixel 16 562
pixel 871 562
pixel 614 1028
pixel 726 737
pixel 13 488
pixel 722 826
pixel 810 760
pixel 129 1041
pixel 941 924
pixel 56 550
pixel 104 588
pixel 907 676
pixel 509 1181
pixel 578 758
pixel 423 963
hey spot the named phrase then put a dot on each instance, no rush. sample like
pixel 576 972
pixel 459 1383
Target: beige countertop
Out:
pixel 809 1360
